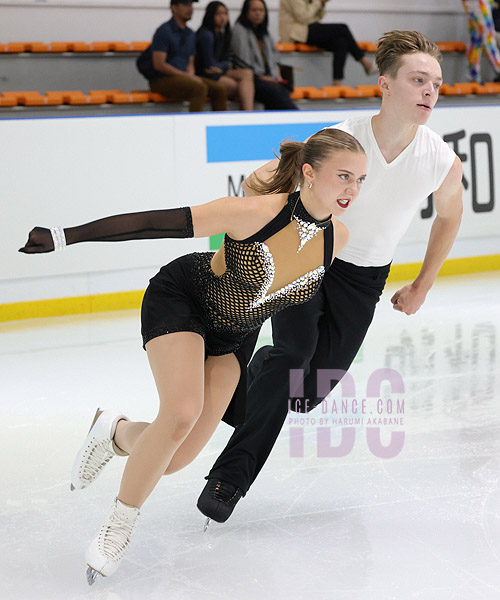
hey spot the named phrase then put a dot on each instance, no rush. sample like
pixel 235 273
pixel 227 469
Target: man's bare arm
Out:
pixel 449 208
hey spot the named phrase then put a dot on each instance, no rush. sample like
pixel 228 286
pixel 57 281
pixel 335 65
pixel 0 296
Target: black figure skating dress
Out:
pixel 225 296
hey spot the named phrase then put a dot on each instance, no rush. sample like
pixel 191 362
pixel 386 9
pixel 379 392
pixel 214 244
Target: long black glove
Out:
pixel 169 223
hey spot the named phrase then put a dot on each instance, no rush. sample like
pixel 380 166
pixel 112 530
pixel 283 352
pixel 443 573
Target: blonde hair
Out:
pixel 318 148
pixel 393 45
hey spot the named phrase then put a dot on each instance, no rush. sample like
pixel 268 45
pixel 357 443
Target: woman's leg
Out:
pixel 177 361
pixel 337 38
pixel 488 33
pixel 230 85
pixel 273 96
pixel 246 86
pixel 474 47
pixel 222 374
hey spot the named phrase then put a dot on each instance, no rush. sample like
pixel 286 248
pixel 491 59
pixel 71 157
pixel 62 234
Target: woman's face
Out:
pixel 337 182
pixel 256 12
pixel 221 18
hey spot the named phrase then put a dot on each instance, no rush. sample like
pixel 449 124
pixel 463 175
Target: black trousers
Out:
pixel 273 96
pixel 337 38
pixel 324 333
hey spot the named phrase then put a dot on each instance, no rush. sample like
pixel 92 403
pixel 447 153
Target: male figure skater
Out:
pixel 406 163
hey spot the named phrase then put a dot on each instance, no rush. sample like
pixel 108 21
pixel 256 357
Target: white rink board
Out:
pixel 71 170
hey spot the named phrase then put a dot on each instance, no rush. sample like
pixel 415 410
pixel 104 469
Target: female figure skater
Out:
pixel 201 313
pixel 213 40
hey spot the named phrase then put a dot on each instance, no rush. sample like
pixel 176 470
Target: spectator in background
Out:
pixel 482 37
pixel 172 54
pixel 495 12
pixel 299 22
pixel 213 40
pixel 253 48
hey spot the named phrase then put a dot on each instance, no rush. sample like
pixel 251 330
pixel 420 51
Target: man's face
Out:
pixel 414 91
pixel 183 11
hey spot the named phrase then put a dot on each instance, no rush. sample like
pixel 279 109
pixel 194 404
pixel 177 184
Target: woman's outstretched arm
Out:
pixel 229 214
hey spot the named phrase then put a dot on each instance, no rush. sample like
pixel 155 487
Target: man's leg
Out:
pixel 351 293
pixel 177 87
pixel 217 94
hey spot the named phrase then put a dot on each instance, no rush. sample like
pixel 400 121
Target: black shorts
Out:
pixel 171 304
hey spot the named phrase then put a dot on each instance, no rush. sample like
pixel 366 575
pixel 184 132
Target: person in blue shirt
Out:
pixel 213 41
pixel 172 54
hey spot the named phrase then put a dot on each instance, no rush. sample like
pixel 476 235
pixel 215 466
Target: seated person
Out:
pixel 253 48
pixel 299 22
pixel 168 63
pixel 213 40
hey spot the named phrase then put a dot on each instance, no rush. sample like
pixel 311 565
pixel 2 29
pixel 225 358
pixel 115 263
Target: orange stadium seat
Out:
pixel 451 46
pixel 100 46
pixel 136 98
pixel 119 46
pixel 29 98
pixel 487 88
pixel 458 89
pixel 74 97
pixel 36 47
pixel 361 91
pixel 286 47
pixel 368 46
pixel 13 47
pixel 328 91
pixel 139 46
pixel 8 100
pixel 301 92
pixel 306 48
pixel 108 94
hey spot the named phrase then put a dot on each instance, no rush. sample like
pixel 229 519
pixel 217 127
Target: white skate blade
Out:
pixel 91 575
pixel 207 523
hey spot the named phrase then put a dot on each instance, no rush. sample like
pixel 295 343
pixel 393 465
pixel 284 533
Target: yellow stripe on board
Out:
pixel 127 300
pixel 453 266
pixel 70 306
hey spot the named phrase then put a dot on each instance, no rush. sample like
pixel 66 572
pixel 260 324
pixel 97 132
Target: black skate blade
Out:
pixel 91 576
pixel 206 524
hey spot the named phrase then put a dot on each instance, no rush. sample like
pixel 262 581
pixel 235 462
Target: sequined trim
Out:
pixel 302 282
pixel 263 252
pixel 192 326
pixel 306 231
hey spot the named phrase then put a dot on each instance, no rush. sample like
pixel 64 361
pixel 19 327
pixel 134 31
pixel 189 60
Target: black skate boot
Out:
pixel 217 500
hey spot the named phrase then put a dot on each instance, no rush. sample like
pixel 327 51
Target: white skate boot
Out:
pixel 97 449
pixel 107 549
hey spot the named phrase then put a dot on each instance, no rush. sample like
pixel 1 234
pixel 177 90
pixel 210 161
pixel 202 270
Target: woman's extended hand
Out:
pixel 39 240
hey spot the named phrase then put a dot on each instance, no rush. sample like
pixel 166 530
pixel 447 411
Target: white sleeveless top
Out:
pixel 392 192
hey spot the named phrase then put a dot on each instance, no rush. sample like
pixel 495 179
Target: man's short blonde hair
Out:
pixel 393 45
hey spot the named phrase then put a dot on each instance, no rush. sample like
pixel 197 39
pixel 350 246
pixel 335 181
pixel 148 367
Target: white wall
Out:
pixel 128 20
pixel 66 171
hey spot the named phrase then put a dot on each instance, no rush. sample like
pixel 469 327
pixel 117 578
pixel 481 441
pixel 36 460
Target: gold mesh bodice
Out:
pixel 248 281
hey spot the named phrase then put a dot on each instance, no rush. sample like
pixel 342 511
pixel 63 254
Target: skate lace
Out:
pixel 225 492
pixel 96 457
pixel 116 537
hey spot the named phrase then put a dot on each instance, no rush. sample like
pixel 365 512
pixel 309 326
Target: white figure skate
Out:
pixel 107 549
pixel 97 450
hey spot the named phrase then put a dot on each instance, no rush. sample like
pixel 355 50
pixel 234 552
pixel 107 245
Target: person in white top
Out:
pixel 406 162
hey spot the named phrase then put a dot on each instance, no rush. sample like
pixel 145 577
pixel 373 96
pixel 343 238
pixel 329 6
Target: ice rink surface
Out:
pixel 424 524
